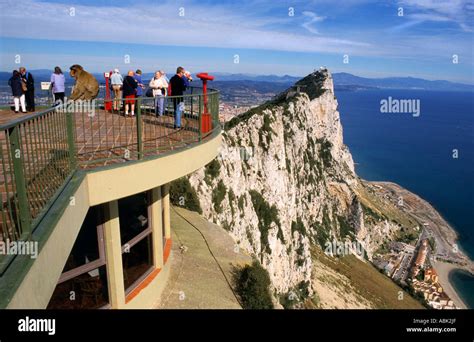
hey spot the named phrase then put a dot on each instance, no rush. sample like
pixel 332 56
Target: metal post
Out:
pixel 200 118
pixel 20 183
pixel 71 140
pixel 139 128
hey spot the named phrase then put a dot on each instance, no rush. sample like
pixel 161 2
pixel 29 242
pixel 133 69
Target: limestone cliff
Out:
pixel 285 182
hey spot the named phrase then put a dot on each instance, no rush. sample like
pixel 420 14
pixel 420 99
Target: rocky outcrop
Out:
pixel 284 181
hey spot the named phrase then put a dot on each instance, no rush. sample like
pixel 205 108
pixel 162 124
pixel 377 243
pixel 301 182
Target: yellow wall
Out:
pixel 100 187
pixel 40 281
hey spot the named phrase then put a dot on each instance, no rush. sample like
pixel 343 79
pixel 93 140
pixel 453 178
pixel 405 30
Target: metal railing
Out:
pixel 40 152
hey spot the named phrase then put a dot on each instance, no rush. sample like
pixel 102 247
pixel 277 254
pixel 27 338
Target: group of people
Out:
pixel 131 87
pixel 23 90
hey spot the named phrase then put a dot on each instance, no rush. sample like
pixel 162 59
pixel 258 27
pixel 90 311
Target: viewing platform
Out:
pixel 59 163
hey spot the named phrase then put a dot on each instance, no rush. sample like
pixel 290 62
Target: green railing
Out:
pixel 40 152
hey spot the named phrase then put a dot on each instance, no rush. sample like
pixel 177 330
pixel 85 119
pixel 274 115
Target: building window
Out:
pixel 135 233
pixel 83 282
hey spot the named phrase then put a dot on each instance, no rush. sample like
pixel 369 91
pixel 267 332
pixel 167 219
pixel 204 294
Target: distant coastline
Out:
pixel 446 237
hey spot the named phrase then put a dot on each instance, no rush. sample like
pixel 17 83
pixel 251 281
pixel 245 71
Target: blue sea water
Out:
pixel 417 153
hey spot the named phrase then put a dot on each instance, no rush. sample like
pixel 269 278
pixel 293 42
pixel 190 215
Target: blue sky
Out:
pixel 269 37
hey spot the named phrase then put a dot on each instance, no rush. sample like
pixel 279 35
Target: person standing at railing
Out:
pixel 129 92
pixel 138 78
pixel 116 82
pixel 15 83
pixel 178 86
pixel 28 79
pixel 160 89
pixel 57 83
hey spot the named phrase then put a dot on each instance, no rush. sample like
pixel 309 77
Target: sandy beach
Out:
pixel 443 269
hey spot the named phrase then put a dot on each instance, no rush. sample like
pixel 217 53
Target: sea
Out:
pixel 430 153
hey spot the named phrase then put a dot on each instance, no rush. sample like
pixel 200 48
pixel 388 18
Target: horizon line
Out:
pixel 280 76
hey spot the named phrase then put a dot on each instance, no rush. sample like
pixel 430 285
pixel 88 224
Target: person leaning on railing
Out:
pixel 159 86
pixel 138 78
pixel 129 91
pixel 178 86
pixel 18 92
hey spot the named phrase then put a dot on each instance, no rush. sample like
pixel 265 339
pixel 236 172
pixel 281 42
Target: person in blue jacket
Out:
pixel 138 78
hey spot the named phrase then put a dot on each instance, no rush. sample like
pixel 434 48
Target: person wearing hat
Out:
pixel 116 80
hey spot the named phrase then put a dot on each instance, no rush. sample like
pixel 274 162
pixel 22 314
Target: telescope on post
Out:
pixel 206 125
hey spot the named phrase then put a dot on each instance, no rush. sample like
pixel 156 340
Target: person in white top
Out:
pixel 116 81
pixel 160 90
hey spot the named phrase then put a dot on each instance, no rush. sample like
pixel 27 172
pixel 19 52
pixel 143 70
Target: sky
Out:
pixel 431 39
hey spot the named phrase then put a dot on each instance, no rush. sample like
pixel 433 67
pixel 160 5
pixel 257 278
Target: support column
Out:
pixel 166 209
pixel 156 219
pixel 113 252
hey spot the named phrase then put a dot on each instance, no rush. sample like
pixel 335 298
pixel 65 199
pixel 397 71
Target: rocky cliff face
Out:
pixel 285 182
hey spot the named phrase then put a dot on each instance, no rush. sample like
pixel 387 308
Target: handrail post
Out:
pixel 20 182
pixel 71 140
pixel 139 128
pixel 200 118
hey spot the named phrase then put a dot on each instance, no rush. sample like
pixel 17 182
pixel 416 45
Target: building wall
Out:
pixel 98 187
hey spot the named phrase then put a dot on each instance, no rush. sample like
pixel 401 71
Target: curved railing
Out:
pixel 39 153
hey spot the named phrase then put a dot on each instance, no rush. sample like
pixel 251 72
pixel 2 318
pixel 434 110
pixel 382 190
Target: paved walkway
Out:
pixel 196 281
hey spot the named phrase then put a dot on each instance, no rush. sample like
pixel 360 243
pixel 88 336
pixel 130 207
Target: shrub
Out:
pixel 218 195
pixel 298 226
pixel 253 287
pixel 344 227
pixel 211 171
pixel 266 215
pixel 183 195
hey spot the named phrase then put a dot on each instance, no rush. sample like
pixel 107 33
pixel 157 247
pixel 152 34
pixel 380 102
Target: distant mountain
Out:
pixel 342 81
pixel 346 79
pixel 258 78
pixel 347 82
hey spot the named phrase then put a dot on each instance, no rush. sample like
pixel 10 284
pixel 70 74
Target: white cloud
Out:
pixel 160 24
pixel 313 18
pixel 459 12
pixel 235 27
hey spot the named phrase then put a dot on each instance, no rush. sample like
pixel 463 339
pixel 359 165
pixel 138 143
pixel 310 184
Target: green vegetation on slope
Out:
pixel 211 171
pixel 377 209
pixel 218 195
pixel 312 85
pixel 253 286
pixel 183 195
pixel 369 283
pixel 266 215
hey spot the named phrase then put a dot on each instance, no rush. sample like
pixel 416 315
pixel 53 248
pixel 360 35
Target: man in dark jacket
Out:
pixel 30 89
pixel 178 87
pixel 129 92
